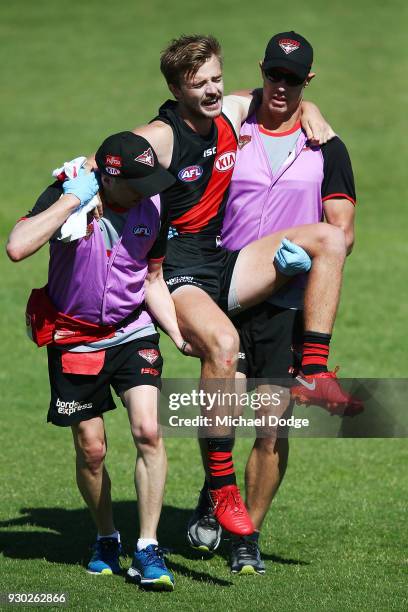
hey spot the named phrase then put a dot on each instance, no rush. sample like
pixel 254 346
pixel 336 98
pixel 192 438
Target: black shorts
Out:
pixel 193 259
pixel 79 397
pixel 270 341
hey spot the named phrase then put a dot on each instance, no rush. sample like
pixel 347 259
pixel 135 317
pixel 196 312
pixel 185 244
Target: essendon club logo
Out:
pixel 113 160
pixel 151 355
pixel 225 162
pixel 288 45
pixel 244 140
pixel 146 157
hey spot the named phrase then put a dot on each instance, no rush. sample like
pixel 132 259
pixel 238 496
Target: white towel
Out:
pixel 75 226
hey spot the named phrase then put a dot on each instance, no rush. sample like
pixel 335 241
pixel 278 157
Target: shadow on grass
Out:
pixel 66 536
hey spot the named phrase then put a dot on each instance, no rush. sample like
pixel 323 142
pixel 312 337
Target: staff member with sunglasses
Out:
pixel 281 181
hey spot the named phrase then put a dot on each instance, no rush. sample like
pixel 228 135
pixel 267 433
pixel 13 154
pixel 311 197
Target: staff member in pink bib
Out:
pixel 280 181
pixel 104 290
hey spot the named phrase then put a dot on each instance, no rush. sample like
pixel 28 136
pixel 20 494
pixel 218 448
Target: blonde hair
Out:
pixel 185 55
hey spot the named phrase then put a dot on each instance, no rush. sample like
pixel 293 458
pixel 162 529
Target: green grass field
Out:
pixel 336 536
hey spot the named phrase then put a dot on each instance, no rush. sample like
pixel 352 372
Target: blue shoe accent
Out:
pixel 105 558
pixel 149 569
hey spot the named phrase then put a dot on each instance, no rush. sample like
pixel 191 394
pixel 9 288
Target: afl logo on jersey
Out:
pixel 189 174
pixel 142 230
pixel 225 161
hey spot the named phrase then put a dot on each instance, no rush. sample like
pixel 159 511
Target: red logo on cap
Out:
pixel 113 160
pixel 288 45
pixel 146 157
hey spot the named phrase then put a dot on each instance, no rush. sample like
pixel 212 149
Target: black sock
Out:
pixel 220 464
pixel 315 352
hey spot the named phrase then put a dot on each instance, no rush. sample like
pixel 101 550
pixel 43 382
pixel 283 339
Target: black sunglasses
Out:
pixel 275 75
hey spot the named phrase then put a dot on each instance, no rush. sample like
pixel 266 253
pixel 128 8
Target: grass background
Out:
pixel 335 538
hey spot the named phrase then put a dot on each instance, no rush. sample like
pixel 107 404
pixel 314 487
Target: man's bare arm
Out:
pixel 29 235
pixel 318 131
pixel 241 104
pixel 160 136
pixel 341 212
pixel 161 306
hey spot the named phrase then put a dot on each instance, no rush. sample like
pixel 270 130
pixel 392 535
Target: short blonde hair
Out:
pixel 185 55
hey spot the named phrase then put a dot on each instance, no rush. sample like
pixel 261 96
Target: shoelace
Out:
pixel 247 549
pixel 237 505
pixel 208 520
pixel 154 557
pixel 205 511
pixel 107 549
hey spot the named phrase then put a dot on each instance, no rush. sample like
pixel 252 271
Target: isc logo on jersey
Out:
pixel 189 174
pixel 225 161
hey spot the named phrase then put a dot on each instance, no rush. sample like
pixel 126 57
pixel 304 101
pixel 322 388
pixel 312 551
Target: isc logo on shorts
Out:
pixel 225 161
pixel 151 371
pixel 189 174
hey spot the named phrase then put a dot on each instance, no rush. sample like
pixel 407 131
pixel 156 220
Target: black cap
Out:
pixel 291 51
pixel 129 156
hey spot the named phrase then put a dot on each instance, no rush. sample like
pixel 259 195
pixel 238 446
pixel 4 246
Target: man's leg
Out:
pixel 148 566
pixel 210 331
pixel 95 487
pixel 92 477
pixel 256 278
pixel 151 461
pixel 266 465
pixel 264 472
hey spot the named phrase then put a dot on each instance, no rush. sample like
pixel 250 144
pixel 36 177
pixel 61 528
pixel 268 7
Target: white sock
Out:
pixel 115 535
pixel 144 542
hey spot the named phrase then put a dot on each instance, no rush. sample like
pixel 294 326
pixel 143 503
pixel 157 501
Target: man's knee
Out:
pixel 222 346
pixel 92 454
pixel 331 240
pixel 147 437
pixel 276 443
pixel 90 449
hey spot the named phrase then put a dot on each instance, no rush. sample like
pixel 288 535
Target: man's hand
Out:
pixel 187 349
pixel 291 259
pixel 97 212
pixel 84 187
pixel 318 131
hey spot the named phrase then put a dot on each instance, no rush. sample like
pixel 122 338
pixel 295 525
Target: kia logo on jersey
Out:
pixel 189 174
pixel 225 161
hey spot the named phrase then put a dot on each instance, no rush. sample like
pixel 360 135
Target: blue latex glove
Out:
pixel 172 232
pixel 84 186
pixel 291 259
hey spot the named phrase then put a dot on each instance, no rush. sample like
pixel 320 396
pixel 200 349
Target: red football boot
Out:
pixel 324 390
pixel 230 510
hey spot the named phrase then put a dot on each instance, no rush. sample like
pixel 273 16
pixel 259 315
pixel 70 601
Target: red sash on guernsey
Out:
pixel 45 325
